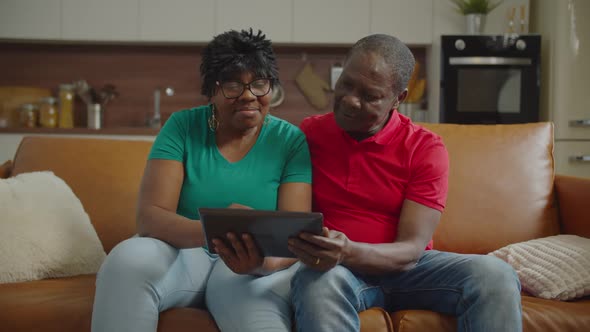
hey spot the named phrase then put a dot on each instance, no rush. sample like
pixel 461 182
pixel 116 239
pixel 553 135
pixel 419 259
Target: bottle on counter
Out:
pixel 66 106
pixel 48 114
pixel 28 115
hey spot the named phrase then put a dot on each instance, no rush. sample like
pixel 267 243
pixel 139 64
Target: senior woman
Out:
pixel 231 152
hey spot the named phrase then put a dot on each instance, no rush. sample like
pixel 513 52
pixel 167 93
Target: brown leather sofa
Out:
pixel 502 190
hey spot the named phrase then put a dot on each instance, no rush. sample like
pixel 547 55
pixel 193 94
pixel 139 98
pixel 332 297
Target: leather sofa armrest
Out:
pixel 5 169
pixel 573 197
pixel 375 320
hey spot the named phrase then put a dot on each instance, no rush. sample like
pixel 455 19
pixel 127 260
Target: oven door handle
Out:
pixel 580 158
pixel 580 123
pixel 489 61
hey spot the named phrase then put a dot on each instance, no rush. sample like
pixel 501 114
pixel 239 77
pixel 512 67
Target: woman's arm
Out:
pixel 157 203
pixel 294 196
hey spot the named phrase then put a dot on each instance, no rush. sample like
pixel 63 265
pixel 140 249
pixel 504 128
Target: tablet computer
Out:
pixel 270 229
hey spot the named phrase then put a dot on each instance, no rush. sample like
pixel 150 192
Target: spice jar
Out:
pixel 66 106
pixel 28 115
pixel 48 112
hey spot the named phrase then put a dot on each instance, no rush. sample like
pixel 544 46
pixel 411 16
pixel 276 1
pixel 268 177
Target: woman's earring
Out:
pixel 212 121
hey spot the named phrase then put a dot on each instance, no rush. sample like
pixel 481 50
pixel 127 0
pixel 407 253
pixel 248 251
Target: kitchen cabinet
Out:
pixel 30 19
pixel 177 20
pixel 330 21
pixel 108 20
pixel 239 14
pixel 571 70
pixel 572 158
pixel 408 20
pixel 566 49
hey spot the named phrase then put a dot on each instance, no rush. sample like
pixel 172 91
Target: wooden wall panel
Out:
pixel 136 70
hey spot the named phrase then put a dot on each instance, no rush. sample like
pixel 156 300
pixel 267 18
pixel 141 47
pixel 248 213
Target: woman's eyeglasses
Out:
pixel 234 89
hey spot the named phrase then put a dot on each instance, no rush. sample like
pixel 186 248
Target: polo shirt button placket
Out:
pixel 353 166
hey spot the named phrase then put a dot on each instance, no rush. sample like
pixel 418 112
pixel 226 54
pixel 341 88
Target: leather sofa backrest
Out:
pixel 104 174
pixel 500 186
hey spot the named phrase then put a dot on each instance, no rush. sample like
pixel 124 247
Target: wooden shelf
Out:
pixel 84 131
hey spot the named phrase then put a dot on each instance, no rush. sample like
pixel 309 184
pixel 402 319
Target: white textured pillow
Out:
pixel 44 230
pixel 554 267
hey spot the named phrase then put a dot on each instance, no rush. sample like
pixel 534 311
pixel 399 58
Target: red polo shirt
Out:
pixel 360 186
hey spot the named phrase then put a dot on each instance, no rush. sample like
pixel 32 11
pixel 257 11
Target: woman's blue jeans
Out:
pixel 482 291
pixel 142 277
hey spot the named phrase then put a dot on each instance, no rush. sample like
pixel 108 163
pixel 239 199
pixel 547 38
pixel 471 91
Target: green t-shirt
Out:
pixel 280 155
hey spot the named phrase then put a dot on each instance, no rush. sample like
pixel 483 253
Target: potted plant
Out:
pixel 475 12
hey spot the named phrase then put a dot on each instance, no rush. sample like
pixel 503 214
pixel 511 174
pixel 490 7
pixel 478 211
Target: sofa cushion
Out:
pixel 500 184
pixel 44 230
pixel 63 304
pixel 185 320
pixel 554 267
pixel 103 173
pixel 537 315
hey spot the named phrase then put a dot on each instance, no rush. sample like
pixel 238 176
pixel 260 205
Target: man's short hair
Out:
pixel 395 53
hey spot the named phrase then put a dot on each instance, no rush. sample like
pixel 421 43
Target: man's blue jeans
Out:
pixel 482 291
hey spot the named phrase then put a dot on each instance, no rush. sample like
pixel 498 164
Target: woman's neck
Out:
pixel 234 145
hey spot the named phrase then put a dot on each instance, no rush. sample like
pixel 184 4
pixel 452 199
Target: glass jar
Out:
pixel 28 115
pixel 48 112
pixel 66 106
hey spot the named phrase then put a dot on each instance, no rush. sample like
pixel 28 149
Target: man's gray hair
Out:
pixel 395 53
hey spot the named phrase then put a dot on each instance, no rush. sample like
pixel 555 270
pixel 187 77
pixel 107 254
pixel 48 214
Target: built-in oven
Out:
pixel 489 79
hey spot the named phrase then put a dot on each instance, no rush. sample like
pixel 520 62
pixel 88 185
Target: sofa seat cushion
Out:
pixel 550 315
pixel 185 320
pixel 538 315
pixel 63 304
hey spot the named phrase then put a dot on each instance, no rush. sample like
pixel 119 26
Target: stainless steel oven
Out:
pixel 490 79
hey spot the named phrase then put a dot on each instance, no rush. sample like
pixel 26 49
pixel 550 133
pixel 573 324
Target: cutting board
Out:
pixel 11 99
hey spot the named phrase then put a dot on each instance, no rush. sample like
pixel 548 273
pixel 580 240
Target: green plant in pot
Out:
pixel 475 12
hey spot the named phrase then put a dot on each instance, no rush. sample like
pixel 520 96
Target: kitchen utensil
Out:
pixel 83 91
pixel 94 116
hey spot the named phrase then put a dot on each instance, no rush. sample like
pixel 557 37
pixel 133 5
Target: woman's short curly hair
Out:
pixel 232 53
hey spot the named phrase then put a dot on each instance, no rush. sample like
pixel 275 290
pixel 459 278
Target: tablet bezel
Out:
pixel 217 222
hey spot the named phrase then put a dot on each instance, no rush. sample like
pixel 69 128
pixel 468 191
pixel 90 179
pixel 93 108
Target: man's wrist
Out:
pixel 348 253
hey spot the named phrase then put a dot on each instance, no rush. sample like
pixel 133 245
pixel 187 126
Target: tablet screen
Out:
pixel 270 229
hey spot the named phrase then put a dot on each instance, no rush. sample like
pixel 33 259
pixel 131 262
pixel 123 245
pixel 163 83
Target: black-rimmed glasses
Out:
pixel 234 89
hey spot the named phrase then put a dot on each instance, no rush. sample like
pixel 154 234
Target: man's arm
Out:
pixel 416 227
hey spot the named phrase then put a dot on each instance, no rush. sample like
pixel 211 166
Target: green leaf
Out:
pixel 466 7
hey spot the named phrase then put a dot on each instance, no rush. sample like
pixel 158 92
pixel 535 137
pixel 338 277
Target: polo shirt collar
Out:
pixel 385 135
